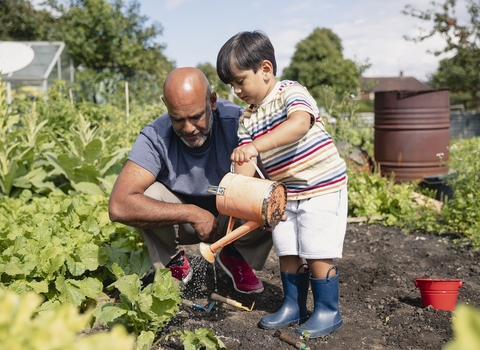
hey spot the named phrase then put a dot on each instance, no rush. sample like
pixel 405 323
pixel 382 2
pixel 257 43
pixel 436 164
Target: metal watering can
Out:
pixel 260 202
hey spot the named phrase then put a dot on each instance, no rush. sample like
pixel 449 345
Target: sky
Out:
pixel 370 30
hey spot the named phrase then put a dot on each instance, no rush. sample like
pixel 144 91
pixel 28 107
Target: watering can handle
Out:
pixel 254 165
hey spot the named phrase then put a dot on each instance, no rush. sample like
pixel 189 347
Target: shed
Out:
pixel 50 62
pixel 369 86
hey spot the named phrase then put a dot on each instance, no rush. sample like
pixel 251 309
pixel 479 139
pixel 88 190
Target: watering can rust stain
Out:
pixel 260 202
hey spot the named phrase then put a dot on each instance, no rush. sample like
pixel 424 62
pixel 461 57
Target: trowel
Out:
pixel 197 306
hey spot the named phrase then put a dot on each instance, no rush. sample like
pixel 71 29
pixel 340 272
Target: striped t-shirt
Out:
pixel 308 167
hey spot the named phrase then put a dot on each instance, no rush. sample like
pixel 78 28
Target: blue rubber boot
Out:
pixel 294 308
pixel 326 316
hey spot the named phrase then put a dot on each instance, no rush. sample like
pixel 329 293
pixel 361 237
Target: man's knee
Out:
pixel 161 193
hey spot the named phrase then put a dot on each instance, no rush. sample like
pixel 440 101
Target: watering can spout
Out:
pixel 208 251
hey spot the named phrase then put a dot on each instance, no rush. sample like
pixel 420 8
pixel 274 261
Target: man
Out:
pixel 162 188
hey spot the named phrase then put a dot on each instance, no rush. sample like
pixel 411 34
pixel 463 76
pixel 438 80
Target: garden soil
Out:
pixel 380 304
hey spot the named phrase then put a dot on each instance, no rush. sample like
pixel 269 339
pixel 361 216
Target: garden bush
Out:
pixel 59 161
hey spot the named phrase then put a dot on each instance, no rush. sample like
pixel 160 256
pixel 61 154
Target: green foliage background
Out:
pixel 460 72
pixel 59 161
pixel 22 328
pixel 318 61
pixel 109 41
pixel 59 158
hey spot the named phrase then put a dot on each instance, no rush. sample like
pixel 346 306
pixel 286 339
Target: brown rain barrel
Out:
pixel 411 129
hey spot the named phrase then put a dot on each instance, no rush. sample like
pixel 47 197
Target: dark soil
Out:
pixel 380 305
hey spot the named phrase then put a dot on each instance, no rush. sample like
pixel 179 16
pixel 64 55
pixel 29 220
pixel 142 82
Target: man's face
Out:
pixel 193 125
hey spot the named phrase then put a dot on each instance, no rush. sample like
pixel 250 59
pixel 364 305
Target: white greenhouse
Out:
pixel 34 63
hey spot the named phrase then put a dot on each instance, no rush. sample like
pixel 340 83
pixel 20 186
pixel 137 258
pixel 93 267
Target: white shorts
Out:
pixel 315 228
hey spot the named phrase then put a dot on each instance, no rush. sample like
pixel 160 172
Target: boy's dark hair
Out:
pixel 245 51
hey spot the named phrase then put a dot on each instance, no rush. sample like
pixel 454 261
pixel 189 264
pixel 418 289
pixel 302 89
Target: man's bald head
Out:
pixel 185 84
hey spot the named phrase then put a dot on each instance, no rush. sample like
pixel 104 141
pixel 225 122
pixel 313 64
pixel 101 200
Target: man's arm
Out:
pixel 130 206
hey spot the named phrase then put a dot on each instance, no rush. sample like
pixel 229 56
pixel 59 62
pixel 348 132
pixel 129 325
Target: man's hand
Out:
pixel 205 225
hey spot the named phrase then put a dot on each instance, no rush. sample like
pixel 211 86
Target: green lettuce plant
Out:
pixel 21 327
pixel 59 245
pixel 142 310
pixel 200 339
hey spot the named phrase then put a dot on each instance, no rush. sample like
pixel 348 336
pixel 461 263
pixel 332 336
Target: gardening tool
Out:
pixel 232 302
pixel 289 340
pixel 260 202
pixel 194 305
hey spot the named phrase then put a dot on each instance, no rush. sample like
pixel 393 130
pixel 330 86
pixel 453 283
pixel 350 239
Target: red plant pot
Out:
pixel 440 293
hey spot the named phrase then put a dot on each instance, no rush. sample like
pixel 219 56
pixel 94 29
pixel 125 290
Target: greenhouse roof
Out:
pixel 46 56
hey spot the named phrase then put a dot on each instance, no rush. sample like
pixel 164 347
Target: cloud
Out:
pixel 380 39
pixel 194 30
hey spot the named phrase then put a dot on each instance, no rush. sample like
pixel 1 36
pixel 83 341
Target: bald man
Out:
pixel 162 188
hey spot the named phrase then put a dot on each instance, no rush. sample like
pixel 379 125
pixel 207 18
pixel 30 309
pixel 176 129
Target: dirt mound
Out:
pixel 380 305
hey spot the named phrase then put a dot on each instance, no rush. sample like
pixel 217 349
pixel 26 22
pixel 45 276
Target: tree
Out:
pixel 460 73
pixel 111 44
pixel 21 22
pixel 110 35
pixel 318 61
pixel 108 40
pixel 222 89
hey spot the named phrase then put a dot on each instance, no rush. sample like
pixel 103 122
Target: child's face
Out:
pixel 249 86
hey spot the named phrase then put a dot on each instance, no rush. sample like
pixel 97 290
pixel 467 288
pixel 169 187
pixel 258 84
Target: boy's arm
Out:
pixel 288 132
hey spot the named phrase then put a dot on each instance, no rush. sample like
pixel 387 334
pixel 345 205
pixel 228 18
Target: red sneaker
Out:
pixel 183 272
pixel 244 280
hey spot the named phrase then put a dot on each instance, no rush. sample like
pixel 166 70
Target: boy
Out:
pixel 283 127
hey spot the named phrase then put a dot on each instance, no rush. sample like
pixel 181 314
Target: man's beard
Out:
pixel 205 134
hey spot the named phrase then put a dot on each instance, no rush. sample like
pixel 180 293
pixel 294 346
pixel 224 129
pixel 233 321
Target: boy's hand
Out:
pixel 243 154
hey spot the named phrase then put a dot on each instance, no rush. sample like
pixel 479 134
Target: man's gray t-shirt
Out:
pixel 186 171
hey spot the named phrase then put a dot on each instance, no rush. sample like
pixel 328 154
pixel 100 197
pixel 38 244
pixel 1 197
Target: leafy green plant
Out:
pixel 67 249
pixel 305 335
pixel 8 144
pixel 336 104
pixel 56 238
pixel 348 126
pixel 53 146
pixel 466 329
pixel 22 328
pixel 200 339
pixel 462 212
pixel 83 161
pixel 21 140
pixel 373 195
pixel 141 310
pixel 58 246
